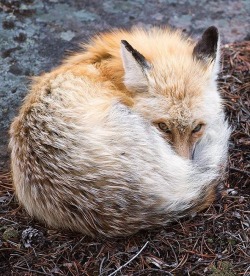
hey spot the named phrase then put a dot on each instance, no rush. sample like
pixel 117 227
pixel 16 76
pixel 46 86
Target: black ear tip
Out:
pixel 124 42
pixel 212 31
pixel 127 46
pixel 207 46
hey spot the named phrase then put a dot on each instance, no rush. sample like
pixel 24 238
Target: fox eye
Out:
pixel 197 128
pixel 164 127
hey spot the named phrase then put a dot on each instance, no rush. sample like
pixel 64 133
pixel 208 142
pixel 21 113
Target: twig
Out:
pixel 31 270
pixel 245 273
pixel 101 265
pixel 157 271
pixel 201 255
pixel 136 255
pixel 239 170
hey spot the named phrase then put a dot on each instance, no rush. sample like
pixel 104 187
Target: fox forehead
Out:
pixel 179 113
pixel 178 90
pixel 178 78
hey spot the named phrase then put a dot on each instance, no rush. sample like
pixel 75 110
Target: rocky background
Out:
pixel 35 35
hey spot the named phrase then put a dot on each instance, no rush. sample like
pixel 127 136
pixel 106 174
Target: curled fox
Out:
pixel 125 135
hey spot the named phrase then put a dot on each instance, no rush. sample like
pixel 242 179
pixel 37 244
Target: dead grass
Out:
pixel 215 242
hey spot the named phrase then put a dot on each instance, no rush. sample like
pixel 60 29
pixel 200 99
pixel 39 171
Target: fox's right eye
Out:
pixel 162 126
pixel 197 128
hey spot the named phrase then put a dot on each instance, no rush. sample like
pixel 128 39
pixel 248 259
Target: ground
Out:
pixel 34 35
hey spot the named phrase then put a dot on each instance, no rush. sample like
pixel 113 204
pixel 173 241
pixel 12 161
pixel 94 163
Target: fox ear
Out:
pixel 135 67
pixel 207 48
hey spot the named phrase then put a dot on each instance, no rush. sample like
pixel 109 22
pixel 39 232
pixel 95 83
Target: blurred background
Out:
pixel 35 35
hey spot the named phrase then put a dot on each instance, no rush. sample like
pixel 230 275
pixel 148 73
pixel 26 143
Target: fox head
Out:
pixel 175 89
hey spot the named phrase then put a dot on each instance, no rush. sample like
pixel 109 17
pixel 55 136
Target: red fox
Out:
pixel 127 134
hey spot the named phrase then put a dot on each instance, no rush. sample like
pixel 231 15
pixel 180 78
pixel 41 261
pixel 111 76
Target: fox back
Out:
pixel 125 135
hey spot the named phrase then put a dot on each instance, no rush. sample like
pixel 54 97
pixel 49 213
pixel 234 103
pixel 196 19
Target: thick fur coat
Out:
pixel 86 150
